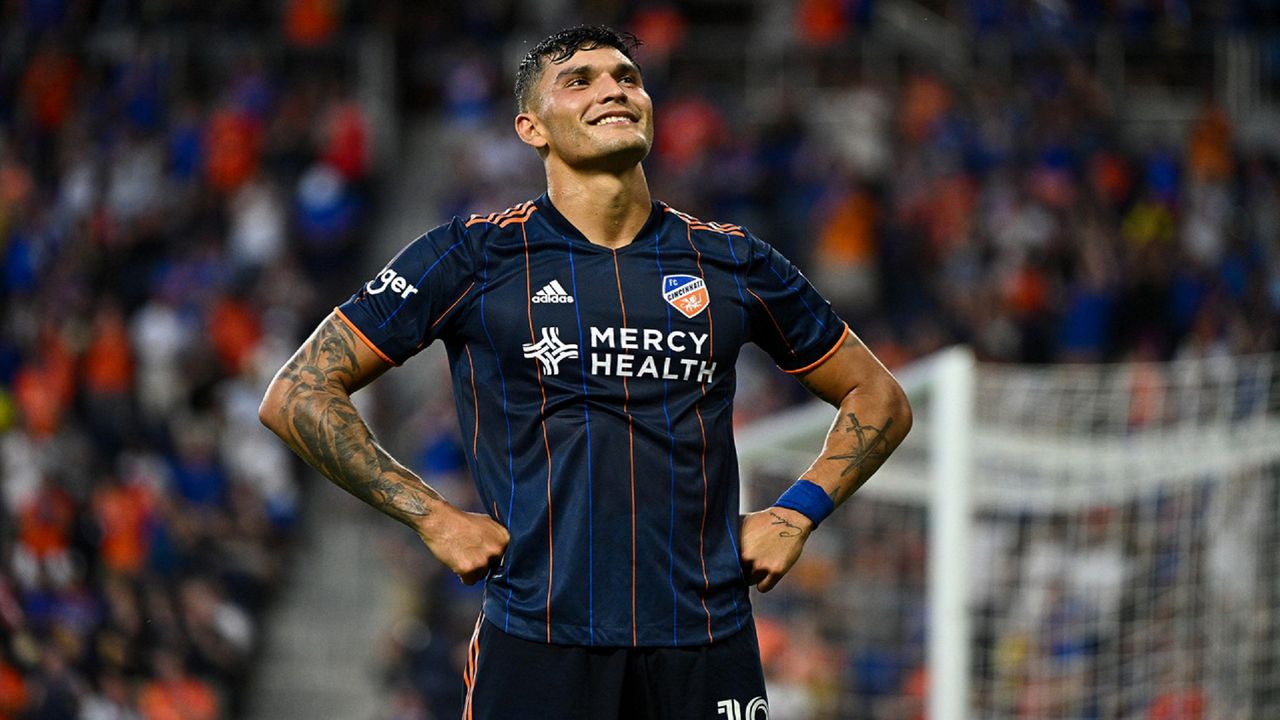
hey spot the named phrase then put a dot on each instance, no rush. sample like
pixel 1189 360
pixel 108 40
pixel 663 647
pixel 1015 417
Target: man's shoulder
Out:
pixel 695 224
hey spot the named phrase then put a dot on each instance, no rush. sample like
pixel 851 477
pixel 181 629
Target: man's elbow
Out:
pixel 900 407
pixel 271 409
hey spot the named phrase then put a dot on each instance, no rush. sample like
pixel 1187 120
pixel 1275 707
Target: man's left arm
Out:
pixel 873 416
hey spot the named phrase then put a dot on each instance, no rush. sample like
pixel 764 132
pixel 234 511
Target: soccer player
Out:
pixel 592 335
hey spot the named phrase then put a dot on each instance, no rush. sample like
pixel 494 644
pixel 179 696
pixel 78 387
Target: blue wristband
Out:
pixel 808 499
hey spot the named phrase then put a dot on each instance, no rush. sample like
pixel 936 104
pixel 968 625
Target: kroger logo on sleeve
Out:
pixel 390 279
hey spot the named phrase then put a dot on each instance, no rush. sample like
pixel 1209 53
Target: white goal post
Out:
pixel 1050 541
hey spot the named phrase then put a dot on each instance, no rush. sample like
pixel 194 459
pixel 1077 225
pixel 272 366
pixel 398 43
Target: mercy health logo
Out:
pixel 628 352
pixel 756 709
pixel 686 293
pixel 550 350
pixel 552 292
pixel 648 352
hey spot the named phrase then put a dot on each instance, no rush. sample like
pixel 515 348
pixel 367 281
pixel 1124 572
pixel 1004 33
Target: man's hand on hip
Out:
pixel 469 544
pixel 771 543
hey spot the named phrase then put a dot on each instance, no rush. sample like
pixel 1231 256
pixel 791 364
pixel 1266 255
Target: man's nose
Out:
pixel 611 89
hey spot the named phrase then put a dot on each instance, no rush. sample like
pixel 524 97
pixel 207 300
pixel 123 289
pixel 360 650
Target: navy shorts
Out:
pixel 508 677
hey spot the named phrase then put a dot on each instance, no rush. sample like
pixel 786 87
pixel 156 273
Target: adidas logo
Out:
pixel 552 292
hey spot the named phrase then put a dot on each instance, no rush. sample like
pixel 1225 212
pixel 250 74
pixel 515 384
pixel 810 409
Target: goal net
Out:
pixel 1084 541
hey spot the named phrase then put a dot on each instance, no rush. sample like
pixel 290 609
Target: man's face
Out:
pixel 590 111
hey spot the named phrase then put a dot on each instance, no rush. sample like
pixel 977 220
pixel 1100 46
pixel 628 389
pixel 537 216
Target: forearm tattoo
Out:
pixel 788 529
pixel 324 428
pixel 870 448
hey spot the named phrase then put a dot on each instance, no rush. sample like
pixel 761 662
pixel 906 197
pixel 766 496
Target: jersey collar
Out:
pixel 566 228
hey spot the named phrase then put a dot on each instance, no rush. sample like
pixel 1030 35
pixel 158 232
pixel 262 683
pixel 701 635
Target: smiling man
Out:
pixel 592 335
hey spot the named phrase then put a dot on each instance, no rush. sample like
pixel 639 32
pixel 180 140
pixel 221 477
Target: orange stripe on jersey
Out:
pixel 825 355
pixel 696 224
pixel 546 442
pixel 495 217
pixel 711 326
pixel 361 335
pixel 454 305
pixel 475 439
pixel 717 227
pixel 517 219
pixel 518 213
pixel 480 219
pixel 776 326
pixel 473 663
pixel 706 584
pixel 631 451
pixel 697 408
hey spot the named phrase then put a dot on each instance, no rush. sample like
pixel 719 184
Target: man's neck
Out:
pixel 608 209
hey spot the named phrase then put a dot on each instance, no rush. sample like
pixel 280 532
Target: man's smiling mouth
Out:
pixel 613 120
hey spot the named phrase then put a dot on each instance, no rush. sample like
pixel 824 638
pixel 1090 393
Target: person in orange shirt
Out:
pixel 1178 705
pixel 48 87
pixel 45 385
pixel 13 692
pixel 123 512
pixel 235 148
pixel 1208 153
pixel 106 371
pixel 108 361
pixel 175 695
pixel 845 262
pixel 45 525
pixel 235 331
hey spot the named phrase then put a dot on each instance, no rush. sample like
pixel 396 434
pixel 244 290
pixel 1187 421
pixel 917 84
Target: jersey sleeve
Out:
pixel 407 304
pixel 789 319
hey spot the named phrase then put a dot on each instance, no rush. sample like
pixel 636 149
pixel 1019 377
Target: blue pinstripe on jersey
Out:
pixel 803 299
pixel 586 410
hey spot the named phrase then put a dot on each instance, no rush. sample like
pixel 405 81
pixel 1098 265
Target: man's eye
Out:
pixel 576 82
pixel 629 79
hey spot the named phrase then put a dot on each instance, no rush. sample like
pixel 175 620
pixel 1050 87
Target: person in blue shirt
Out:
pixel 592 335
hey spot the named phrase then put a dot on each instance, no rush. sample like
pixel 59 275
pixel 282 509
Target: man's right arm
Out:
pixel 308 404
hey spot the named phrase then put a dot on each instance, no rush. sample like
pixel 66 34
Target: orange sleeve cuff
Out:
pixel 367 341
pixel 825 356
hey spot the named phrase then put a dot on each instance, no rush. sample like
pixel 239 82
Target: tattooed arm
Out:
pixel 872 419
pixel 308 404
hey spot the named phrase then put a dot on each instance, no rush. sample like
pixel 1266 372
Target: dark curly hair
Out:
pixel 560 47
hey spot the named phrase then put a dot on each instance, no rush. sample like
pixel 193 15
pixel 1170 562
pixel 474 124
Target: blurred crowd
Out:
pixel 170 203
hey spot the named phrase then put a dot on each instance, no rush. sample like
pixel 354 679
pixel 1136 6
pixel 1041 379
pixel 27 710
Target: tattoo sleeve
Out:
pixel 316 418
pixel 869 426
pixel 870 448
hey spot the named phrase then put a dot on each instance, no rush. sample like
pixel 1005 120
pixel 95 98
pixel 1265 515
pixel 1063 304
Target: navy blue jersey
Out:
pixel 595 389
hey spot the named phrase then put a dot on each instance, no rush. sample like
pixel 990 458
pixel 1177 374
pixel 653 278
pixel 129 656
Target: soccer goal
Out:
pixel 1078 541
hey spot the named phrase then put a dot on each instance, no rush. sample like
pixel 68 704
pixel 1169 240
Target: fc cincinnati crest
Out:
pixel 686 293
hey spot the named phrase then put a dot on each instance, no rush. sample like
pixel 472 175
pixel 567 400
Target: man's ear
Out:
pixel 529 128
